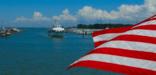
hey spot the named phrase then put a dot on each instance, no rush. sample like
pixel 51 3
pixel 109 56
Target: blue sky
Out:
pixel 55 7
pixel 12 9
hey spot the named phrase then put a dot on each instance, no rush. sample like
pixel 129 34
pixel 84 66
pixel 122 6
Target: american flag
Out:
pixel 128 50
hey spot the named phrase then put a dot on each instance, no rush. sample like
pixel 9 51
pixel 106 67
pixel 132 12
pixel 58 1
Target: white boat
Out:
pixel 4 32
pixel 57 28
pixel 15 30
pixel 56 31
pixel 8 31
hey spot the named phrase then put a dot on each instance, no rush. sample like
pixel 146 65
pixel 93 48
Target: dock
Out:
pixel 82 31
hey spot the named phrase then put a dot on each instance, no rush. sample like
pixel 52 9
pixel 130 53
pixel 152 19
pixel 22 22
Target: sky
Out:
pixel 42 13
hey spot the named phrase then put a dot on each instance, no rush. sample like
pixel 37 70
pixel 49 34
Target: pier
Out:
pixel 81 31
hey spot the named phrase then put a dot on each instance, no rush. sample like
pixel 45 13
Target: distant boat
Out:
pixel 4 32
pixel 8 31
pixel 15 30
pixel 57 28
pixel 56 31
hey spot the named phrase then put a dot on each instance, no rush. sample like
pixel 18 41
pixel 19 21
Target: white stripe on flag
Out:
pixel 104 37
pixel 129 45
pixel 109 36
pixel 138 63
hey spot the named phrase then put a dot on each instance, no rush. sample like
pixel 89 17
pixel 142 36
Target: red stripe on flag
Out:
pixel 128 70
pixel 113 30
pixel 133 37
pixel 96 44
pixel 125 53
pixel 147 27
pixel 136 38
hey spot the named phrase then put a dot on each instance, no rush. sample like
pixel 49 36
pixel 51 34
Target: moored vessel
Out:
pixel 56 30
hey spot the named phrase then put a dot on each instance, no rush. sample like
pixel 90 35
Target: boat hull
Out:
pixel 56 34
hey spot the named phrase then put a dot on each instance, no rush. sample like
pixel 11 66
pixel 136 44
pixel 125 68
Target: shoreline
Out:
pixel 81 31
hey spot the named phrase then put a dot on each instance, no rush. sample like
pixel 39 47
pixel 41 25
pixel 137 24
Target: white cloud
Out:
pixel 21 19
pixel 150 6
pixel 89 12
pixel 129 11
pixel 65 16
pixel 37 17
pixel 123 12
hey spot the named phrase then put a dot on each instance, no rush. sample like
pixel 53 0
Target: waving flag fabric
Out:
pixel 127 50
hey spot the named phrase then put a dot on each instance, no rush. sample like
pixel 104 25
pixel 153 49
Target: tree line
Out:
pixel 100 26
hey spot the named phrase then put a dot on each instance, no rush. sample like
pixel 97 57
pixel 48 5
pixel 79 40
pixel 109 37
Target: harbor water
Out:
pixel 33 52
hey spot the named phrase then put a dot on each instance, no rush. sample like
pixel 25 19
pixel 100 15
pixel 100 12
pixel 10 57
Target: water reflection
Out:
pixel 56 36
